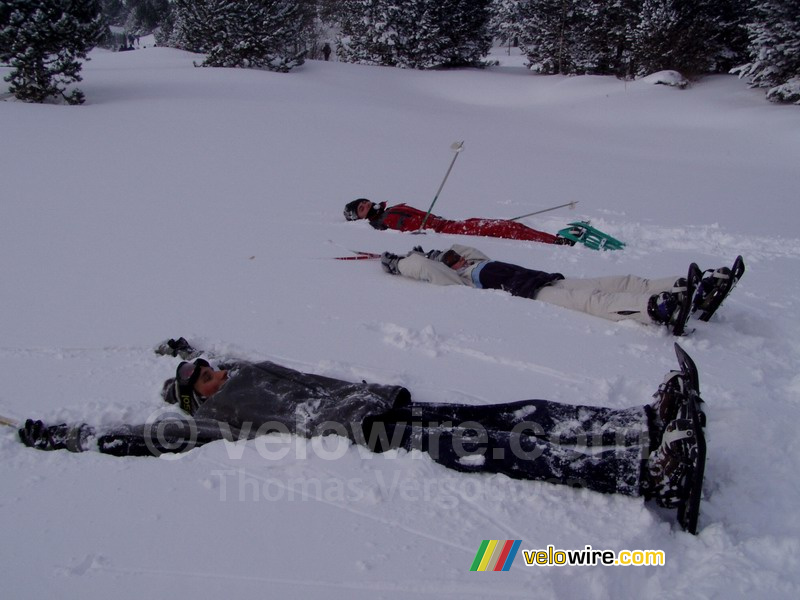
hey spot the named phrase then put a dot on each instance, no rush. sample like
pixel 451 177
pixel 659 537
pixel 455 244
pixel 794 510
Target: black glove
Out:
pixel 435 255
pixel 179 347
pixel 36 434
pixel 389 262
pixel 416 250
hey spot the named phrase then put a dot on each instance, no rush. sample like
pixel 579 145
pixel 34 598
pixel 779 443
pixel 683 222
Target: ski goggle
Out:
pixel 186 376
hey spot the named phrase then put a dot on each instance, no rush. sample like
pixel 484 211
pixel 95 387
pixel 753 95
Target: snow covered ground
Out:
pixel 208 203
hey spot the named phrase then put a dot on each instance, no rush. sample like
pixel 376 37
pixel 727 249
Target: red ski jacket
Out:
pixel 407 218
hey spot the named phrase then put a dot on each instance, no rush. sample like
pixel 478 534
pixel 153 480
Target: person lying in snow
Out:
pixel 645 451
pixel 402 217
pixel 664 301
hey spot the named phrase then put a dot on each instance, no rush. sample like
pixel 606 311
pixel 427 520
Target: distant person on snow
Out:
pixel 642 451
pixel 663 301
pixel 406 218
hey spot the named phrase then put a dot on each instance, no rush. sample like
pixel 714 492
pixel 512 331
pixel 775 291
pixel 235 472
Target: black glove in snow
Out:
pixel 389 262
pixel 36 434
pixel 435 255
pixel 179 347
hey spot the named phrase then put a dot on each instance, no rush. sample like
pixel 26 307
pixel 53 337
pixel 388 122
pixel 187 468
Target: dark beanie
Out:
pixel 351 209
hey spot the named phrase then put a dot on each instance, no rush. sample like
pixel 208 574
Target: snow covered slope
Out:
pixel 207 203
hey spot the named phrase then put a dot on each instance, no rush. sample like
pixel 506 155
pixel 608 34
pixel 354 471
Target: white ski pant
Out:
pixel 613 298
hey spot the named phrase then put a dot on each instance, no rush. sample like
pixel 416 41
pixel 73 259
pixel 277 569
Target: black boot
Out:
pixel 36 434
pixel 669 398
pixel 668 472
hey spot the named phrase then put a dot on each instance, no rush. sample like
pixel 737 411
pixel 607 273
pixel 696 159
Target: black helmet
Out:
pixel 351 208
pixel 180 389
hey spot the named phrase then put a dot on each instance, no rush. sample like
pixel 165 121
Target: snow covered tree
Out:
pixel 505 20
pixel 417 34
pixel 44 41
pixel 627 37
pixel 146 15
pixel 676 34
pixel 603 37
pixel 775 50
pixel 730 35
pixel 578 36
pixel 244 33
pixel 114 11
pixel 548 34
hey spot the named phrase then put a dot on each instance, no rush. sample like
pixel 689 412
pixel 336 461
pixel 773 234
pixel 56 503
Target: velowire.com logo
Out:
pixel 499 555
pixel 495 555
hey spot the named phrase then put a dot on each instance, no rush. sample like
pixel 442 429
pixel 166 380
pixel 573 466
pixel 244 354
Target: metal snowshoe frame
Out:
pixel 689 508
pixel 722 289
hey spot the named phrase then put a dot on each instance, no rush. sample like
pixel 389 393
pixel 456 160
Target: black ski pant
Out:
pixel 598 448
pixel 516 280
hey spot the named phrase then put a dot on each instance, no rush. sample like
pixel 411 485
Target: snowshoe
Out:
pixel 715 287
pixel 674 477
pixel 691 379
pixel 672 394
pixel 583 233
pixel 681 316
pixel 669 398
pixel 688 368
pixel 689 507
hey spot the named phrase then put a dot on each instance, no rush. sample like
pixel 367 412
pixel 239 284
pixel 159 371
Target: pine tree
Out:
pixel 367 33
pixel 604 37
pixel 43 41
pixel 676 34
pixel 417 34
pixel 146 15
pixel 464 36
pixel 505 21
pixel 775 50
pixel 114 11
pixel 548 34
pixel 245 33
pixel 730 37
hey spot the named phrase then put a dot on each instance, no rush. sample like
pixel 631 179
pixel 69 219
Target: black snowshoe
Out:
pixel 684 311
pixel 675 469
pixel 689 508
pixel 714 287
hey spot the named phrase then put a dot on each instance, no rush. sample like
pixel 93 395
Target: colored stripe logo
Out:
pixel 495 555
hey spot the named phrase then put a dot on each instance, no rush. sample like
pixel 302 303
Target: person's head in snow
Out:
pixel 193 383
pixel 361 208
pixel 454 260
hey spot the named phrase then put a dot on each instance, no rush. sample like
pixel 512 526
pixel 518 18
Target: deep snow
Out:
pixel 207 203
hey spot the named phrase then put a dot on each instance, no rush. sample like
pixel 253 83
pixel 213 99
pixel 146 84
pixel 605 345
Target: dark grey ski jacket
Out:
pixel 257 399
pixel 262 397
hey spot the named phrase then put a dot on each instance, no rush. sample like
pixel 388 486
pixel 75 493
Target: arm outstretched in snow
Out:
pixel 417 266
pixel 470 253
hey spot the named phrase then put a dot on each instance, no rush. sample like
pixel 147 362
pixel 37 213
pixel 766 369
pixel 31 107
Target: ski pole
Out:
pixel 457 147
pixel 538 212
